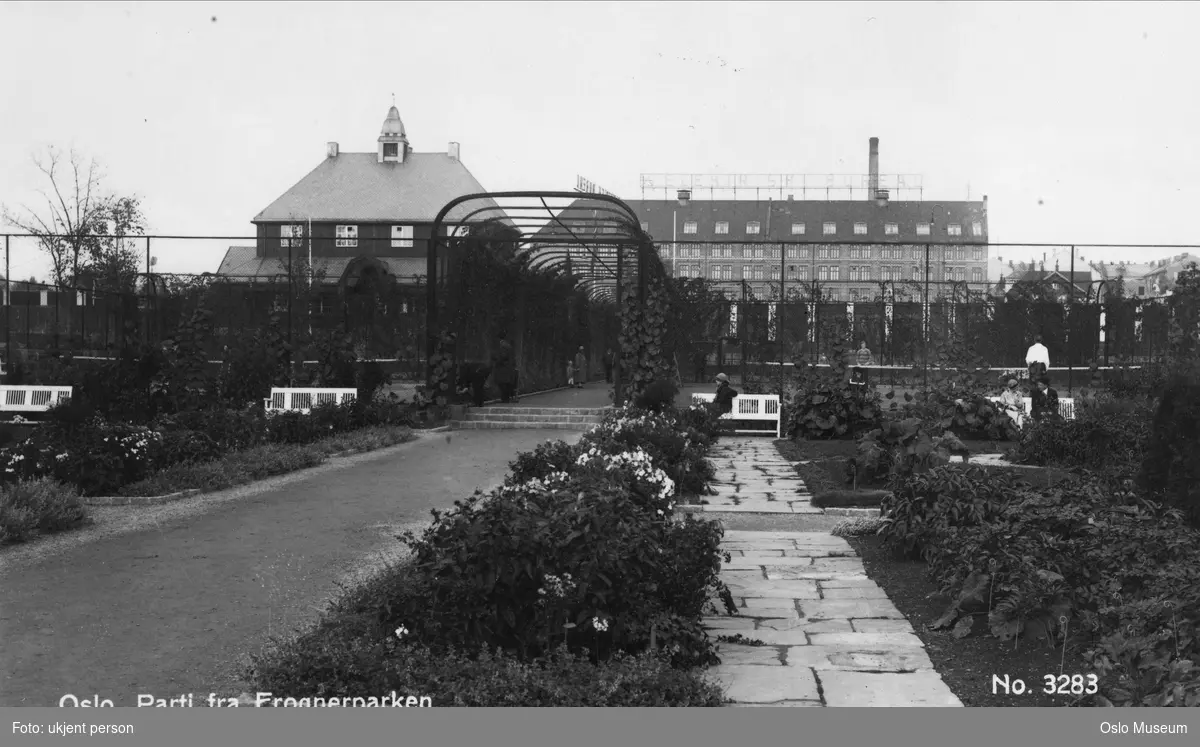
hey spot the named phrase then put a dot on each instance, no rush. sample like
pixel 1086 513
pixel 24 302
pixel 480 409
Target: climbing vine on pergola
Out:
pixel 593 240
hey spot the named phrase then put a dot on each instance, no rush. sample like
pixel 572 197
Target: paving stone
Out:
pixel 772 637
pixel 849 608
pixel 776 589
pixel 810 551
pixel 863 689
pixel 882 626
pixel 766 684
pixel 848 583
pixel 818 570
pixel 745 535
pixel 757 656
pixel 769 508
pixel 838 657
pixel 741 575
pixel 729 623
pixel 864 592
pixel 867 641
pixel 764 553
pixel 756 605
pixel 808 626
pixel 839 562
pixel 770 562
pixel 781 704
pixel 811 574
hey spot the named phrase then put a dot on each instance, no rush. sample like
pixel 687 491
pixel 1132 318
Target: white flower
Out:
pixel 599 625
pixel 401 631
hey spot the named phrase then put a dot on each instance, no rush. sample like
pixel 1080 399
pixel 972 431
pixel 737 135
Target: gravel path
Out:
pixel 167 600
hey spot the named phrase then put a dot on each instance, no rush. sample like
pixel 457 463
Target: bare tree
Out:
pixel 73 206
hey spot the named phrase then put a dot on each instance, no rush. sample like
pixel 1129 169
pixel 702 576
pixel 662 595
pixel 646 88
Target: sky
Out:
pixel 1075 119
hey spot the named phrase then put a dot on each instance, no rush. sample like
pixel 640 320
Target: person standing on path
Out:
pixel 725 395
pixel 1037 359
pixel 609 360
pixel 580 368
pixel 570 372
pixel 503 370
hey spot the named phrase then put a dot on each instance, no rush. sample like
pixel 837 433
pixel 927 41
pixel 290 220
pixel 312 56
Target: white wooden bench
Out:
pixel 761 407
pixel 303 400
pixel 1066 407
pixel 32 398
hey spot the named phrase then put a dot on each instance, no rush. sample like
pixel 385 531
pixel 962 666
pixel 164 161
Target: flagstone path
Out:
pixel 829 636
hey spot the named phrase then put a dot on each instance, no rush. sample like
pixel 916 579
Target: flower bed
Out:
pixel 98 457
pixel 81 454
pixel 575 575
pixel 1083 564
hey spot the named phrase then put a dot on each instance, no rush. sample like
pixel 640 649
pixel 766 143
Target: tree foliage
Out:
pixel 77 217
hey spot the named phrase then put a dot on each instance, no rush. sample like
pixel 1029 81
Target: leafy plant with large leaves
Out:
pixel 958 399
pixel 826 404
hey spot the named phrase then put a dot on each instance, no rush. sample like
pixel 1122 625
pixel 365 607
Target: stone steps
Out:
pixel 513 410
pixel 491 425
pixel 487 417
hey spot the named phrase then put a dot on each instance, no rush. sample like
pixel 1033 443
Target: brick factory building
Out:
pixel 761 240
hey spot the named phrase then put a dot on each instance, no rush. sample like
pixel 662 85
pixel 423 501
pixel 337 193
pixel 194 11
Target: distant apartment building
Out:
pixel 851 248
pixel 1145 279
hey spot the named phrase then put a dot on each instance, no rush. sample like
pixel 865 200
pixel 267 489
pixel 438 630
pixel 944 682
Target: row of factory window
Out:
pixel 829 228
pixel 863 273
pixel 833 293
pixel 730 251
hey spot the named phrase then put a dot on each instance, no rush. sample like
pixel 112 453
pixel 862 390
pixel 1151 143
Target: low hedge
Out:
pixel 32 507
pixel 573 584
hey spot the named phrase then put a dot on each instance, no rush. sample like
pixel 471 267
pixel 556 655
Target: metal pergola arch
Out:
pixel 589 238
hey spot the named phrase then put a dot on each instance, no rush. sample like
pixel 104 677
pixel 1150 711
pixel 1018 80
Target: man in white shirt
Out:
pixel 1039 357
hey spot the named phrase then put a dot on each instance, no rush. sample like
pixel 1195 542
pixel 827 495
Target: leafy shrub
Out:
pixel 531 567
pixel 547 458
pixel 329 664
pixel 1100 438
pixel 184 446
pixel 681 454
pixel 902 447
pixel 925 507
pixel 254 363
pixel 657 396
pixel 231 430
pixel 29 507
pixel 826 405
pixel 857 527
pixel 1171 468
pixel 702 423
pixel 94 456
pixel 1118 569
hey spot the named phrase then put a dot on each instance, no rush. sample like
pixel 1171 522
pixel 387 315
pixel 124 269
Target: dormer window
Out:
pixel 391 150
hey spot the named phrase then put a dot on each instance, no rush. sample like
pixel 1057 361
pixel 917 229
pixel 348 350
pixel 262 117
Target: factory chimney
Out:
pixel 873 178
